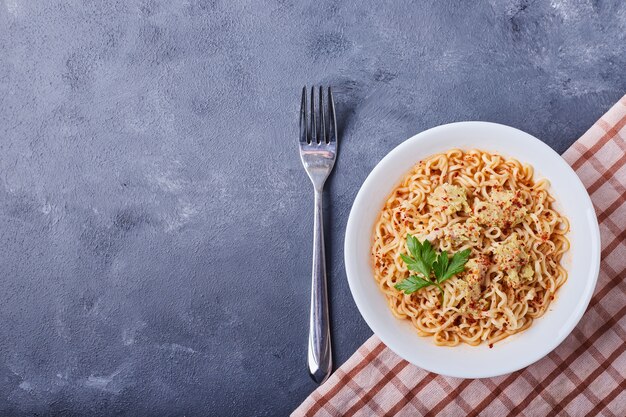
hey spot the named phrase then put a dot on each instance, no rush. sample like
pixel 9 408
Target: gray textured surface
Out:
pixel 155 222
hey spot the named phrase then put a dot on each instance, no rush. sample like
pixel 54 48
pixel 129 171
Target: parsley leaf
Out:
pixel 412 284
pixel 441 265
pixel 423 256
pixel 411 263
pixel 423 260
pixel 427 258
pixel 414 245
pixel 456 265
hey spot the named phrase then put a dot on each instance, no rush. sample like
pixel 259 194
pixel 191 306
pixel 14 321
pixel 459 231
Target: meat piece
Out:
pixel 473 277
pixel 448 199
pixel 503 209
pixel 511 257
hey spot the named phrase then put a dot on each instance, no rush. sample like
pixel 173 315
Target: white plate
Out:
pixel 582 261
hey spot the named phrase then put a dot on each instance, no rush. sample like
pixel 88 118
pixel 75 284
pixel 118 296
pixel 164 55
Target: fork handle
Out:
pixel 319 354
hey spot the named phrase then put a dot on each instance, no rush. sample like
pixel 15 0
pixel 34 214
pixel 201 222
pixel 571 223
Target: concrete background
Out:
pixel 155 221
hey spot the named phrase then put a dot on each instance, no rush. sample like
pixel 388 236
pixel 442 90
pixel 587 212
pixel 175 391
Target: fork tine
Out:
pixel 322 132
pixel 314 133
pixel 332 123
pixel 304 138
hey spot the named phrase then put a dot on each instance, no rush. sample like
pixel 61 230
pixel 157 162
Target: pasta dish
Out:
pixel 468 247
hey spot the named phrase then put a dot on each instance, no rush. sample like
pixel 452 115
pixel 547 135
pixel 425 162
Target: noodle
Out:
pixel 504 306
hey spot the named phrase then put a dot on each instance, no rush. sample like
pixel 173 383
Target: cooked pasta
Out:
pixel 491 205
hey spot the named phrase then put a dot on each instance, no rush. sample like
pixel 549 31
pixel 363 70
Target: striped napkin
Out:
pixel 585 375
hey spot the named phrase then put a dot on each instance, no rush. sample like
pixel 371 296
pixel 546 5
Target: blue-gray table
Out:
pixel 155 221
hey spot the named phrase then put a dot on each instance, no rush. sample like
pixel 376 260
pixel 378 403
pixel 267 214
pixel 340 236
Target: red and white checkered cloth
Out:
pixel 585 375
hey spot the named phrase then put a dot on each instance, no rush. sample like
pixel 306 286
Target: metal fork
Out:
pixel 318 149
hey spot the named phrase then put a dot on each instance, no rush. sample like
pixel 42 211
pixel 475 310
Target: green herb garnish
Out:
pixel 424 260
pixel 422 256
pixel 445 268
